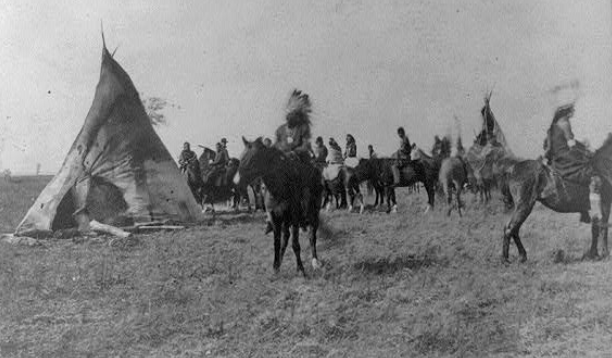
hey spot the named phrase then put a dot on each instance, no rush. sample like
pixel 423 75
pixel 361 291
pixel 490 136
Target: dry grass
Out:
pixel 404 285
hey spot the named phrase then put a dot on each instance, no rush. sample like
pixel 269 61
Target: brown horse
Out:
pixel 379 171
pixel 293 196
pixel 525 183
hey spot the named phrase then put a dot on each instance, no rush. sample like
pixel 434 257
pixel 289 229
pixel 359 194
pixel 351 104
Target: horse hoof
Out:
pixel 591 256
pixel 350 208
pixel 316 264
pixel 394 209
pixel 523 259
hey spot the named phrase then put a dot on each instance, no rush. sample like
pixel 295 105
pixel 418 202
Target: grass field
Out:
pixel 398 285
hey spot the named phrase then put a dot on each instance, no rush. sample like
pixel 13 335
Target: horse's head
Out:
pixel 417 153
pixel 252 161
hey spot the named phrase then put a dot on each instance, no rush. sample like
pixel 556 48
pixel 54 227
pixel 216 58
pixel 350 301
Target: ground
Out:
pixel 392 285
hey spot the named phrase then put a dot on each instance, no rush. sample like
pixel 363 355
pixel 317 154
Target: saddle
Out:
pixel 216 176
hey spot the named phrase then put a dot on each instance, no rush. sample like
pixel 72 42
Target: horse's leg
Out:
pixel 605 203
pixel 448 192
pixel 295 243
pixel 343 197
pixel 313 243
pixel 523 208
pixel 276 228
pixel 459 203
pixel 429 188
pixel 361 202
pixel 284 241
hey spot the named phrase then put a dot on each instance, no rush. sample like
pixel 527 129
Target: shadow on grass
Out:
pixel 388 266
pixel 230 218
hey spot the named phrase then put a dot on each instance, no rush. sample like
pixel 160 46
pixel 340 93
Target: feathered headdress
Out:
pixel 299 108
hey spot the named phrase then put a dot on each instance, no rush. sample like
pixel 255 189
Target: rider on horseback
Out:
pixel 401 156
pixel 217 167
pixel 334 155
pixel 320 152
pixel 186 156
pixel 351 147
pixel 293 137
pixel 568 157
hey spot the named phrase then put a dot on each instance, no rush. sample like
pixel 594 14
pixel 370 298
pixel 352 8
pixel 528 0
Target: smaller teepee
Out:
pixel 490 146
pixel 117 172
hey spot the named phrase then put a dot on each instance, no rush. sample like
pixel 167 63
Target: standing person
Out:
pixel 371 152
pixel 320 151
pixel 186 156
pixel 402 155
pixel 351 147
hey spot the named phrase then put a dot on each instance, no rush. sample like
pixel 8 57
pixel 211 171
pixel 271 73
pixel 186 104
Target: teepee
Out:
pixel 490 147
pixel 117 172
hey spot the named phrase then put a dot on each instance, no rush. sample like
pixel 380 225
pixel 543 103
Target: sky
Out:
pixel 369 67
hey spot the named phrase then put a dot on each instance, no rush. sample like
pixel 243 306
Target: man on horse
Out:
pixel 569 158
pixel 217 167
pixel 320 152
pixel 186 156
pixel 402 156
pixel 334 155
pixel 293 137
pixel 351 147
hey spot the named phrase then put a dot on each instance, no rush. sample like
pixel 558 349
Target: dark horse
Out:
pixel 218 189
pixel 194 178
pixel 379 171
pixel 293 196
pixel 525 182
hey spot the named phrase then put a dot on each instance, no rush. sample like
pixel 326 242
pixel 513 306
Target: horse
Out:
pixel 453 175
pixel 194 178
pixel 525 183
pixel 293 196
pixel 217 189
pixel 334 185
pixel 341 187
pixel 379 171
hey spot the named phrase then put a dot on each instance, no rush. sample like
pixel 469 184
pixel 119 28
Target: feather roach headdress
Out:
pixel 299 108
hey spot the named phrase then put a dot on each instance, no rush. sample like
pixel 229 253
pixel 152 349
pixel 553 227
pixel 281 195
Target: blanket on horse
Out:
pixel 561 193
pixel 351 162
pixel 331 171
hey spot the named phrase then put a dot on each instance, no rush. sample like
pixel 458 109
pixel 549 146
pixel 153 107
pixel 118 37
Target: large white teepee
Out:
pixel 117 171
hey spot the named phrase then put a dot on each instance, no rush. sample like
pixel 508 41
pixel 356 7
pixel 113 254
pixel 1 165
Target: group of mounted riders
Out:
pixel 567 156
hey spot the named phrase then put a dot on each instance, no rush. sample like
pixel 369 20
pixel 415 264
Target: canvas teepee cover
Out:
pixel 490 147
pixel 117 171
